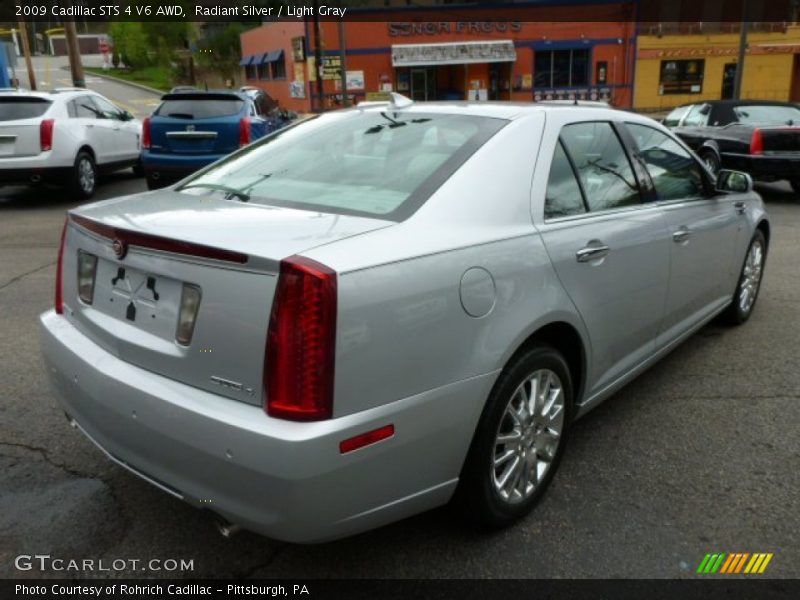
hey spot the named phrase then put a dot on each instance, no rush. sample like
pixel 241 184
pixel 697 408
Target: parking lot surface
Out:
pixel 700 454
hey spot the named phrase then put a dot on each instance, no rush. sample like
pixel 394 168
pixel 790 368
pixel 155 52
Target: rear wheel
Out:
pixel 520 439
pixel 84 175
pixel 744 299
pixel 138 169
pixel 795 185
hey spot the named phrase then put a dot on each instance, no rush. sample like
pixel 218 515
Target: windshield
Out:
pixel 768 113
pixel 12 108
pixel 377 164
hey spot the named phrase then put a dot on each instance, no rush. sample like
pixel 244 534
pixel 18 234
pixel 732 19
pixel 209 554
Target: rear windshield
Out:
pixel 12 108
pixel 200 107
pixel 362 163
pixel 768 113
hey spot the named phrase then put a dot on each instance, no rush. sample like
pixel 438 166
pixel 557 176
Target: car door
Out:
pixel 608 245
pixel 703 228
pixel 89 119
pixel 120 141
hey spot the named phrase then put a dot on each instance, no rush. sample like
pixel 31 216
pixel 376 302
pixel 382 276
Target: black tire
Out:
pixel 152 184
pixel 84 176
pixel 138 169
pixel 478 493
pixel 710 158
pixel 795 183
pixel 739 311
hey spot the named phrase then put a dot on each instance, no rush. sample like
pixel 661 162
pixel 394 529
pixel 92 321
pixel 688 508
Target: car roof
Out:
pixel 740 102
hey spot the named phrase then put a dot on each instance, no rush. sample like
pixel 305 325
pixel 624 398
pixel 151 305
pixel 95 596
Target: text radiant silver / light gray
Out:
pixel 345 323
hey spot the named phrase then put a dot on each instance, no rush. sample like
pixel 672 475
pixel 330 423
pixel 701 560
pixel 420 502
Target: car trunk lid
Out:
pixel 780 140
pixel 229 251
pixel 20 120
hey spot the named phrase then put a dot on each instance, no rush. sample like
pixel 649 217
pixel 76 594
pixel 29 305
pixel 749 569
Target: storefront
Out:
pixel 684 68
pixel 470 53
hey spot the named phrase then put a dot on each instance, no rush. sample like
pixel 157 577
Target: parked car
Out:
pixel 759 137
pixel 349 321
pixel 67 137
pixel 191 129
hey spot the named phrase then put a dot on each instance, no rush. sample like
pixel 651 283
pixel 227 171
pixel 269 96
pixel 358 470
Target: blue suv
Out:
pixel 193 128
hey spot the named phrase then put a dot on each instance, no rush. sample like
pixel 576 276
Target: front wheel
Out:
pixel 744 298
pixel 519 440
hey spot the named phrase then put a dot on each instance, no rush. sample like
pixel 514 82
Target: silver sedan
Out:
pixel 365 315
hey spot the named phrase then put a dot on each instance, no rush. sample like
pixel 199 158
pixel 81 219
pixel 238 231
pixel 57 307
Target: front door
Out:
pixel 422 86
pixel 728 77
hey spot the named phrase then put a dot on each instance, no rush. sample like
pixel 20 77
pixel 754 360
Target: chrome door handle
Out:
pixel 740 207
pixel 591 253
pixel 681 235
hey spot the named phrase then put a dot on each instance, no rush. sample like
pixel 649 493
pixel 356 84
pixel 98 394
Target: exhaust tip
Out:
pixel 155 175
pixel 36 178
pixel 226 528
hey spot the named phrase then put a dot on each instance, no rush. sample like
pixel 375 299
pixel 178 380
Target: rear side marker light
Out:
pixel 301 342
pixel 365 439
pixel 59 301
pixel 190 303
pixel 757 142
pixel 87 269
pixel 46 134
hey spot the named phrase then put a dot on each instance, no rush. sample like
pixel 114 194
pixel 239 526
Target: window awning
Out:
pixel 246 60
pixel 453 53
pixel 272 56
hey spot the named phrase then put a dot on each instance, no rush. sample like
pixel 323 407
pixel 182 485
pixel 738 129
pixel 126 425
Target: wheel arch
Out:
pixel 89 150
pixel 763 227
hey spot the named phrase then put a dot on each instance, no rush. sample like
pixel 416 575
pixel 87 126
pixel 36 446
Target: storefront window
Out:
pixel 561 68
pixel 681 76
pixel 250 71
pixel 279 68
pixel 263 71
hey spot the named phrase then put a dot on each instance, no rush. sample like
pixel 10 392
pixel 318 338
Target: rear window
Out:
pixel 363 163
pixel 193 106
pixel 673 118
pixel 13 108
pixel 768 114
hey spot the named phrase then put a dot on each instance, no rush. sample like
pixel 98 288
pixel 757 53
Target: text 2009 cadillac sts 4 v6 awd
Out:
pixel 356 317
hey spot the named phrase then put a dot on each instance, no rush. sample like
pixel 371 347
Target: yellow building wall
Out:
pixel 766 76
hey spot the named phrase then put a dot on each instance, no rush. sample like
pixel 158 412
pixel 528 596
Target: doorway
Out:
pixel 423 83
pixel 794 91
pixel 728 78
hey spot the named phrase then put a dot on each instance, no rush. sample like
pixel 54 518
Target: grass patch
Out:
pixel 155 77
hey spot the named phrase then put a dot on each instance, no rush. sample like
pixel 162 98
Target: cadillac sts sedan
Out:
pixel 380 309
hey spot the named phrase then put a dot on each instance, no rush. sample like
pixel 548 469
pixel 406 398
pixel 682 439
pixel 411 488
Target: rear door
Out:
pixel 703 229
pixel 20 118
pixel 87 115
pixel 119 138
pixel 202 123
pixel 608 246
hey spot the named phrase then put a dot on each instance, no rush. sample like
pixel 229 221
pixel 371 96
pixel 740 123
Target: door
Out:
pixel 609 248
pixel 728 78
pixel 88 116
pixel 794 92
pixel 121 138
pixel 702 226
pixel 421 89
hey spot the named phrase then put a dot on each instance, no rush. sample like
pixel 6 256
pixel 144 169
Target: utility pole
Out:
pixel 318 57
pixel 343 63
pixel 737 81
pixel 26 50
pixel 74 55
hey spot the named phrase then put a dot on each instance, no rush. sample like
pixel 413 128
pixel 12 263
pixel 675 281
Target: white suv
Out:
pixel 66 136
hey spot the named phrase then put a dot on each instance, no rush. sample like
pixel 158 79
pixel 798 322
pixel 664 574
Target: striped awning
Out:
pixel 247 60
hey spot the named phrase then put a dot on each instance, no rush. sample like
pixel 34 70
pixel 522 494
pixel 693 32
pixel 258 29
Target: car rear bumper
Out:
pixel 33 169
pixel 283 479
pixel 764 166
pixel 169 168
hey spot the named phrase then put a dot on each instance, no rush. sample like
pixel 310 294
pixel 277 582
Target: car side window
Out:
pixel 85 108
pixel 563 196
pixel 72 109
pixel 697 117
pixel 106 109
pixel 674 118
pixel 675 174
pixel 602 165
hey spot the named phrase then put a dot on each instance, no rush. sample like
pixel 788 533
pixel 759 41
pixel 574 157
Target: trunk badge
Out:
pixel 120 248
pixel 190 128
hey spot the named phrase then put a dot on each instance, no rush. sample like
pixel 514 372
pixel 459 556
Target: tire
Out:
pixel 138 169
pixel 487 491
pixel 746 294
pixel 795 183
pixel 152 184
pixel 84 176
pixel 711 160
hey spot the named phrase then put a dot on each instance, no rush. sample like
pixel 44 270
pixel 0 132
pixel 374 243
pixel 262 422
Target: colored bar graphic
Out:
pixel 734 563
pixel 718 563
pixel 741 562
pixel 701 568
pixel 764 564
pixel 727 564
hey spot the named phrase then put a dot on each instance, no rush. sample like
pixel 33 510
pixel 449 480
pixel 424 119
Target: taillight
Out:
pixel 244 131
pixel 87 268
pixel 298 375
pixel 190 302
pixel 59 277
pixel 757 142
pixel 46 134
pixel 146 133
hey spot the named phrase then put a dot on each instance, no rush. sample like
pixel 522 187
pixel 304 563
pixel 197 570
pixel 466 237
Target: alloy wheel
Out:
pixel 751 276
pixel 86 175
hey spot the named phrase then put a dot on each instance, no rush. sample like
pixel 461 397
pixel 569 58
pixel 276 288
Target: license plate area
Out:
pixel 144 300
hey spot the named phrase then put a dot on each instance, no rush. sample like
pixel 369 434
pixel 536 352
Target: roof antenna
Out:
pixel 575 99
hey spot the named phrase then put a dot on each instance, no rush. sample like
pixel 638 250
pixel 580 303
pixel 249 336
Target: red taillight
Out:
pixel 244 131
pixel 46 134
pixel 59 276
pixel 298 375
pixel 757 142
pixel 365 439
pixel 146 132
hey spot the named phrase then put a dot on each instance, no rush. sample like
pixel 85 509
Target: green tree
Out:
pixel 131 42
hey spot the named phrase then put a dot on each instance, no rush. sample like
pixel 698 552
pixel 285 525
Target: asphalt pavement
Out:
pixel 700 454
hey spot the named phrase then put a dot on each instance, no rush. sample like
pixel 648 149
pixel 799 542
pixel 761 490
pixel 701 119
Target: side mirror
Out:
pixel 125 116
pixel 734 181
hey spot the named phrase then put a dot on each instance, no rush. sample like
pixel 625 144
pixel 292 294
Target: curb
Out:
pixel 140 86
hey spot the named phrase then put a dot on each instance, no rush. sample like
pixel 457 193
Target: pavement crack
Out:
pixel 25 274
pixel 270 559
pixel 45 454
